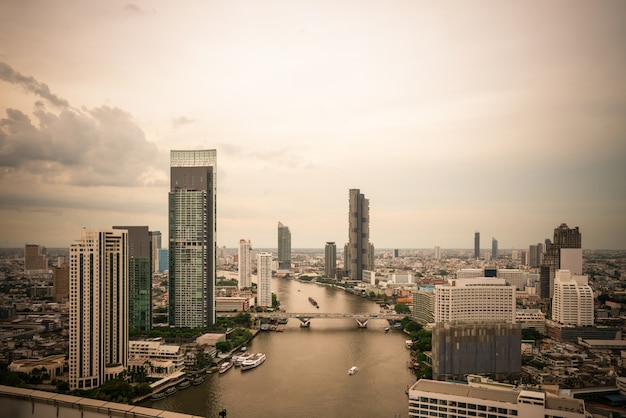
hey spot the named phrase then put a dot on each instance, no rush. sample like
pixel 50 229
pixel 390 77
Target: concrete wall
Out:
pixel 27 403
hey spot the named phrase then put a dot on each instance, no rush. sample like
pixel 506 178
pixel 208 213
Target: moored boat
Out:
pixel 170 391
pixel 313 302
pixel 226 366
pixel 196 381
pixel 184 384
pixel 240 358
pixel 253 361
pixel 352 370
pixel 157 396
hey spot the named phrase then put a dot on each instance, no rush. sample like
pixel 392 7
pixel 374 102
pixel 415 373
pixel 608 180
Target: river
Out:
pixel 305 374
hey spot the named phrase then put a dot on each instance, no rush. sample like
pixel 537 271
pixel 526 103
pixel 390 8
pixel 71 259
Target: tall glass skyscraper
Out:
pixel 192 241
pixel 140 247
pixel 284 247
pixel 476 245
pixel 494 248
pixel 360 252
pixel 330 260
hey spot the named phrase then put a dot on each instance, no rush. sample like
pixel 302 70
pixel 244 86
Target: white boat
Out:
pixel 226 366
pixel 253 361
pixel 237 360
pixel 352 370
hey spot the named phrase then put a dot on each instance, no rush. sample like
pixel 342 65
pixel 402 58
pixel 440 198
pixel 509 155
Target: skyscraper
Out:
pixel 192 246
pixel 155 237
pixel 264 279
pixel 140 245
pixel 564 238
pixel 98 307
pixel 476 245
pixel 573 300
pixel 494 249
pixel 35 258
pixel 359 248
pixel 245 275
pixel 330 260
pixel 284 247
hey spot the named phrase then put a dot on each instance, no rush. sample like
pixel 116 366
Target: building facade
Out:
pixel 98 307
pixel 245 264
pixel 476 245
pixel 573 300
pixel 192 245
pixel 475 300
pixel 140 246
pixel 284 247
pixel 330 260
pixel 156 242
pixel 264 279
pixel 564 238
pixel 35 259
pixel 359 251
pixel 494 248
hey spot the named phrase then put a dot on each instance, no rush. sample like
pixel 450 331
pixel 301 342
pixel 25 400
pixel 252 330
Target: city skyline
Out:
pixel 453 118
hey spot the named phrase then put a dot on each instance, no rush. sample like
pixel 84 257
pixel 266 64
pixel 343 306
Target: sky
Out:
pixel 507 118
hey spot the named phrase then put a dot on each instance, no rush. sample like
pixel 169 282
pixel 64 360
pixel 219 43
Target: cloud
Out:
pixel 181 120
pixel 8 74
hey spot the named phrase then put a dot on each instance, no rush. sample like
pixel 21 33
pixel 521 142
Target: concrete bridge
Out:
pixel 305 318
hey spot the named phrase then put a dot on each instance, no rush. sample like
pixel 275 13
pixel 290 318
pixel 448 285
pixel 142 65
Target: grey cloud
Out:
pixel 181 120
pixel 8 74
pixel 132 8
pixel 96 147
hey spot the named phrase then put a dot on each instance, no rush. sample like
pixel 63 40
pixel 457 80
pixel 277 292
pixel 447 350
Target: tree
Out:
pixel 402 308
pixel 224 346
pixel 63 386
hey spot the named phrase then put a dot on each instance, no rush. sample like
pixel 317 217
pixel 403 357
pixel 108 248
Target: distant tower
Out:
pixel 494 248
pixel 140 245
pixel 567 239
pixel 476 245
pixel 155 237
pixel 35 259
pixel 330 260
pixel 264 279
pixel 437 252
pixel 360 253
pixel 244 264
pixel 98 307
pixel 284 247
pixel 192 245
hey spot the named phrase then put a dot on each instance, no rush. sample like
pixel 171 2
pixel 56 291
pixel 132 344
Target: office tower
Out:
pixel 462 348
pixel 245 264
pixel 360 252
pixel 330 260
pixel 98 307
pixel 490 399
pixel 264 279
pixel 192 245
pixel 525 258
pixel 164 259
pixel 140 246
pixel 284 247
pixel 61 283
pixel 437 252
pixel 536 255
pixel 564 238
pixel 573 300
pixel 494 248
pixel 547 243
pixel 155 238
pixel 35 259
pixel 475 300
pixel 396 253
pixel 476 245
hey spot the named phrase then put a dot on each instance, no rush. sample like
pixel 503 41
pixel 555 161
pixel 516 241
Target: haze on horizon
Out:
pixel 506 118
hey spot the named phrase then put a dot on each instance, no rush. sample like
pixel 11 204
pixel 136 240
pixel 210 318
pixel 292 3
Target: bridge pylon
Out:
pixel 304 322
pixel 362 322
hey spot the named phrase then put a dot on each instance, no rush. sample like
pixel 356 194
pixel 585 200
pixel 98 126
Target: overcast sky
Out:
pixel 503 117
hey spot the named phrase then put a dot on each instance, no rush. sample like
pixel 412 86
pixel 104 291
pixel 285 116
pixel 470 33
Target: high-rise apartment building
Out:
pixel 245 264
pixel 437 252
pixel 140 246
pixel 264 279
pixel 98 307
pixel 475 300
pixel 564 238
pixel 35 259
pixel 494 249
pixel 476 245
pixel 155 239
pixel 573 300
pixel 284 247
pixel 61 283
pixel 359 250
pixel 192 245
pixel 330 260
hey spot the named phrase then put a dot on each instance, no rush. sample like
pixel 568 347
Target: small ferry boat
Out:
pixel 198 380
pixel 226 366
pixel 313 302
pixel 244 348
pixel 170 391
pixel 387 329
pixel 237 360
pixel 184 384
pixel 157 396
pixel 352 370
pixel 253 361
